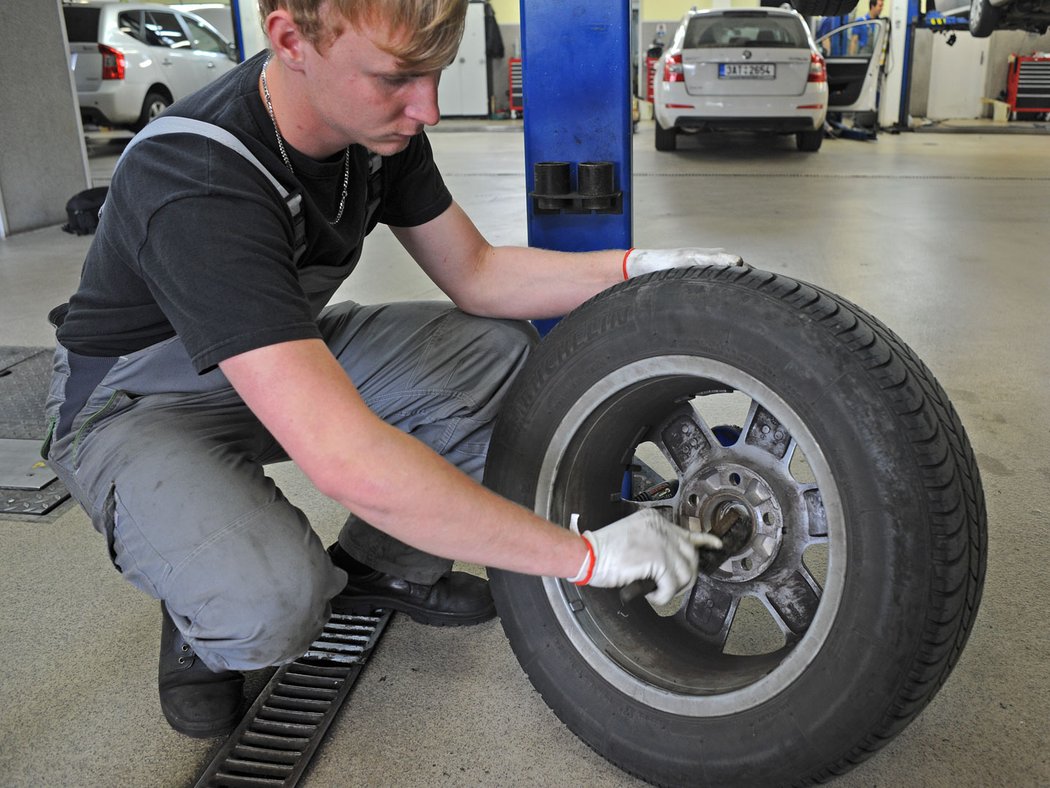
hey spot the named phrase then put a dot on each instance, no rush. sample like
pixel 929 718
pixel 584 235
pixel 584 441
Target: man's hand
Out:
pixel 645 261
pixel 643 545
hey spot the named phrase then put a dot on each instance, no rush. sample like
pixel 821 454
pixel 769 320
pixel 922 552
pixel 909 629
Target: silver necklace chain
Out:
pixel 284 153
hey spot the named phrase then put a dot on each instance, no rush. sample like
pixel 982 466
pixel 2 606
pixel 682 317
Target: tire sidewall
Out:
pixel 983 18
pixel 852 680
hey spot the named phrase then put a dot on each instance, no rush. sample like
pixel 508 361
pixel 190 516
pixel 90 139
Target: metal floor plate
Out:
pixel 27 485
pixel 281 732
pixel 21 467
pixel 25 375
pixel 35 502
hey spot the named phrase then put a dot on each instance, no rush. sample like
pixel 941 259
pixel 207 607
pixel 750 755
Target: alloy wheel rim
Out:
pixel 677 658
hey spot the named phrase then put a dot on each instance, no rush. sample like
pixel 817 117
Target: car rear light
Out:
pixel 817 71
pixel 673 69
pixel 113 62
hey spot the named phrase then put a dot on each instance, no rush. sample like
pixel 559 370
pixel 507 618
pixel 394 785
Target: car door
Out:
pixel 173 51
pixel 211 54
pixel 855 59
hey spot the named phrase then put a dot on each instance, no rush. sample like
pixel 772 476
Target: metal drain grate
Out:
pixel 282 730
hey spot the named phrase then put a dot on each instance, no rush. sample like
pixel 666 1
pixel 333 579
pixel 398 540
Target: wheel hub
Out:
pixel 735 503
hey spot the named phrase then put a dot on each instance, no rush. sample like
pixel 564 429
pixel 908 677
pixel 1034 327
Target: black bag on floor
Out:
pixel 82 210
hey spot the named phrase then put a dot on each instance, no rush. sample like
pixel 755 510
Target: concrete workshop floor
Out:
pixel 944 237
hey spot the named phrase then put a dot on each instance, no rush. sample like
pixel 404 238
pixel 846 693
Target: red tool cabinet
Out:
pixel 1028 84
pixel 516 94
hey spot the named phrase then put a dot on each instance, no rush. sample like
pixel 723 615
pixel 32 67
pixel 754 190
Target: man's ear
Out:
pixel 286 40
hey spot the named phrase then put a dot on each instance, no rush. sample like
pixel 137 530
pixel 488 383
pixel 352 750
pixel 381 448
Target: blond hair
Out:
pixel 425 33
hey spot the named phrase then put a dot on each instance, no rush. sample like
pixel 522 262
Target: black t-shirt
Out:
pixel 195 241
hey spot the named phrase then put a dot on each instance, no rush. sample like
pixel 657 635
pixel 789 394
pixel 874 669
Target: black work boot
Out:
pixel 456 599
pixel 195 700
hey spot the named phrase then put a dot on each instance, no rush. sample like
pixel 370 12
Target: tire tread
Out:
pixel 950 477
pixel 944 462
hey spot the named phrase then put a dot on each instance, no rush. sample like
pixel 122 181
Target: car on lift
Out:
pixel 131 62
pixel 810 8
pixel 987 16
pixel 731 69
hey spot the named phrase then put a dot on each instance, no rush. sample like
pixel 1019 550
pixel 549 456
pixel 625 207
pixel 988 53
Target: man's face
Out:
pixel 876 10
pixel 361 95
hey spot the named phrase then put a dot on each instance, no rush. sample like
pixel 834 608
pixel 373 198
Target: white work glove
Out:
pixel 643 545
pixel 645 261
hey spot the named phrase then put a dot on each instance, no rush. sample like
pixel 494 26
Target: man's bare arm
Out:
pixel 523 282
pixel 505 281
pixel 399 485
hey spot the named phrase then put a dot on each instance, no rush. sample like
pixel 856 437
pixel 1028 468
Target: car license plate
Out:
pixel 747 71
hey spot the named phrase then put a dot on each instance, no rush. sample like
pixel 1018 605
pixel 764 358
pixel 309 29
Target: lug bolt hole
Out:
pixel 694 499
pixel 767 518
pixel 746 563
pixel 734 478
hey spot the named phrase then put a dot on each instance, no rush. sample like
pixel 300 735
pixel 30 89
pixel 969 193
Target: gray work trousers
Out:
pixel 169 465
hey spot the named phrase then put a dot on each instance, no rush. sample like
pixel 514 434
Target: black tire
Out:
pixel 824 7
pixel 809 141
pixel 666 139
pixel 984 18
pixel 865 526
pixel 152 106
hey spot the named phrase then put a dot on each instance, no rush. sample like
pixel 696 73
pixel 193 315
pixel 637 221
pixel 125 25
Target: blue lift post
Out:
pixel 238 30
pixel 577 108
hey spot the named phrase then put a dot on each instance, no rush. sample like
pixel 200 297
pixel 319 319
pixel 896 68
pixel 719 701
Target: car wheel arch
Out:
pixel 163 90
pixel 156 95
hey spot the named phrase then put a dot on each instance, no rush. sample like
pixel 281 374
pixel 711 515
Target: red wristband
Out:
pixel 590 563
pixel 625 255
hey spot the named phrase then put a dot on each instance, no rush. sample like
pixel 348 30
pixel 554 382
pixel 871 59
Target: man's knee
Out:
pixel 265 602
pixel 514 337
pixel 498 350
pixel 519 336
pixel 273 628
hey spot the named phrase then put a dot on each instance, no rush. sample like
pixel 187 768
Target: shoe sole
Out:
pixel 203 731
pixel 368 604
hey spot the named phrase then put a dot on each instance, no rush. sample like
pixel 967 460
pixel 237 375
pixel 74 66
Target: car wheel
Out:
pixel 809 141
pixel 152 106
pixel 824 7
pixel 853 562
pixel 984 18
pixel 666 139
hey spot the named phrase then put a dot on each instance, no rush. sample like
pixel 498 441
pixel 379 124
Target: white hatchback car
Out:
pixel 131 62
pixel 741 69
